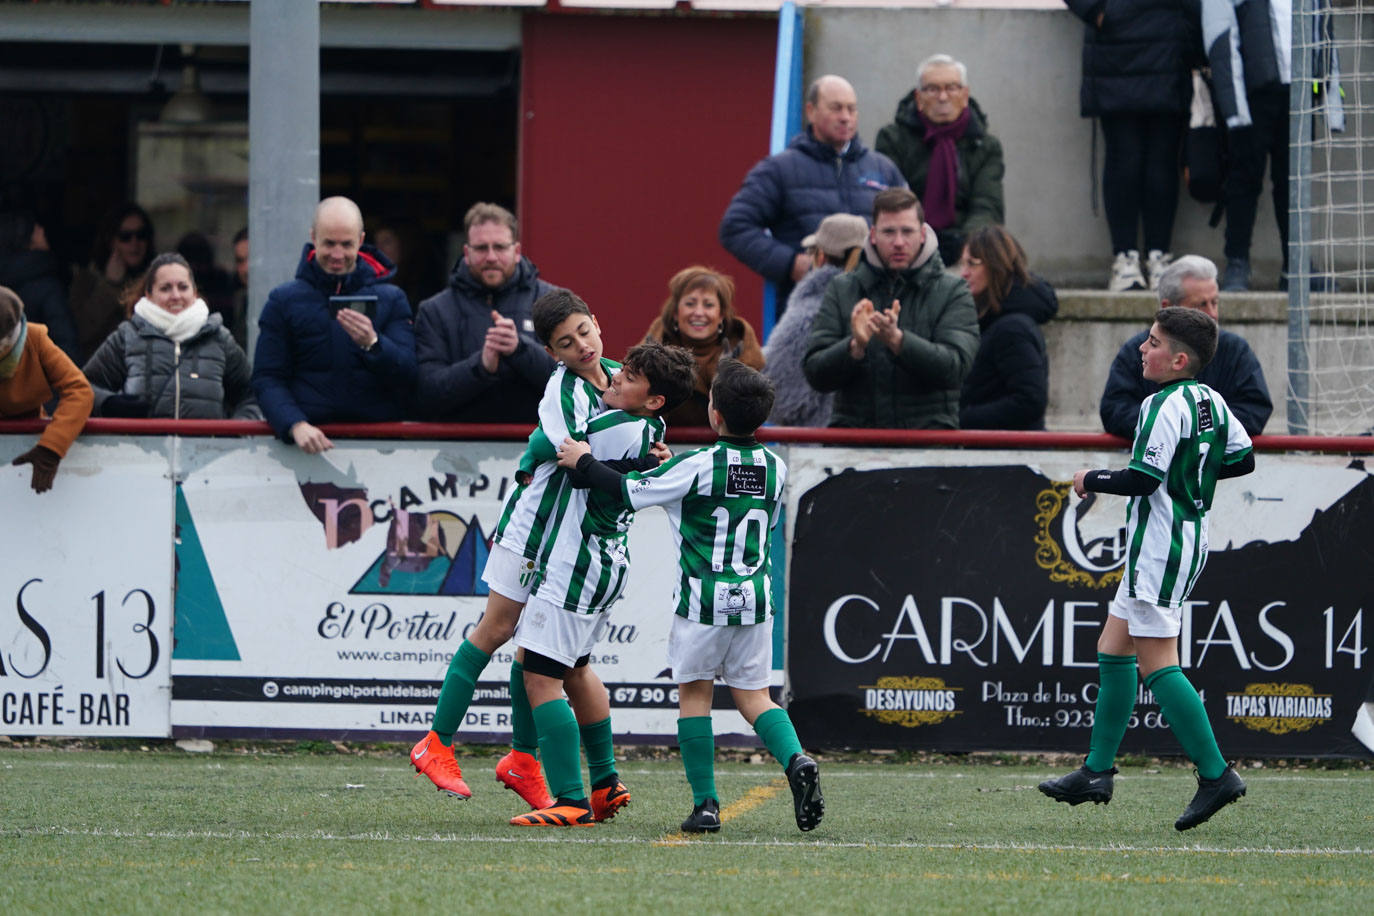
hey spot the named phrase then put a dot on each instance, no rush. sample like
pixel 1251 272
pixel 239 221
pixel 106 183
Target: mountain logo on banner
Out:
pixel 201 628
pixel 1079 542
pixel 1278 708
pixel 428 553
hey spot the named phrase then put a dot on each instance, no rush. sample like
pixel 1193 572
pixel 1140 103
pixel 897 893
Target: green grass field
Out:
pixel 115 831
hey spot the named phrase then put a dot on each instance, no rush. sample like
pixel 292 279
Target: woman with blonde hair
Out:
pixel 699 315
pixel 1008 384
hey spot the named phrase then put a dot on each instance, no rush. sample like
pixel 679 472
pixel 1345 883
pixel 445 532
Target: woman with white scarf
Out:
pixel 171 358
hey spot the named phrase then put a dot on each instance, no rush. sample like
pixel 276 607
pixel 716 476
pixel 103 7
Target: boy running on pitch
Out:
pixel 1186 439
pixel 582 573
pixel 572 336
pixel 723 502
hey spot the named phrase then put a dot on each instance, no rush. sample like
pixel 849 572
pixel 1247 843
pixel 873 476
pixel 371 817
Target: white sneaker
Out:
pixel 1126 273
pixel 1155 264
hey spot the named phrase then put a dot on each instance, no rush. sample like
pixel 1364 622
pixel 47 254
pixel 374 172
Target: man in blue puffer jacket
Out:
pixel 335 344
pixel 824 170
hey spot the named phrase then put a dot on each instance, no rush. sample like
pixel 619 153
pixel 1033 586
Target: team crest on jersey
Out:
pixel 746 480
pixel 1204 416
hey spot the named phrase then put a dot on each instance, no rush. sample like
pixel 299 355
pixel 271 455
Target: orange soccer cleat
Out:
pixel 431 758
pixel 564 812
pixel 521 773
pixel 609 798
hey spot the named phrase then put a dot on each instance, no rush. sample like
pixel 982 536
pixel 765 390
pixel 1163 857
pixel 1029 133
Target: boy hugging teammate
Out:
pixel 1186 439
pixel 572 396
pixel 723 502
pixel 582 571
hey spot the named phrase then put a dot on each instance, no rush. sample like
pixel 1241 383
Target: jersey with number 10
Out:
pixel 1185 433
pixel 723 502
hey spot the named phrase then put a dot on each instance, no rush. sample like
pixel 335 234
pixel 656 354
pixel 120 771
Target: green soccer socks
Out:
pixel 1181 705
pixel 456 695
pixel 696 740
pixel 778 734
pixel 560 749
pixel 599 743
pixel 1116 679
pixel 523 736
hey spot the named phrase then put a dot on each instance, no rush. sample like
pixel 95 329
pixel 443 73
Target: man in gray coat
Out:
pixel 896 337
pixel 479 361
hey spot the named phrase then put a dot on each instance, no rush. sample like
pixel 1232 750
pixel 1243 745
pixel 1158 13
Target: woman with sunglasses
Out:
pixel 122 251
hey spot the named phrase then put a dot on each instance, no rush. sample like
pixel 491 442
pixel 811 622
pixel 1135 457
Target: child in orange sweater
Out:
pixel 32 370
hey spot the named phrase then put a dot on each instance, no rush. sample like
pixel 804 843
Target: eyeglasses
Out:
pixel 947 88
pixel 128 235
pixel 495 249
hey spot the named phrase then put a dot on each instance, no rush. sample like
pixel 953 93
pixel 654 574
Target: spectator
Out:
pixel 896 337
pixel 1249 45
pixel 479 359
pixel 699 314
pixel 32 371
pixel 30 269
pixel 1009 384
pixel 835 247
pixel 173 357
pixel 941 143
pixel 1190 282
pixel 213 283
pixel 824 170
pixel 239 326
pixel 321 358
pixel 123 247
pixel 1137 80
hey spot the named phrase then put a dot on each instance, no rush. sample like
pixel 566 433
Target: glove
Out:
pixel 130 406
pixel 44 461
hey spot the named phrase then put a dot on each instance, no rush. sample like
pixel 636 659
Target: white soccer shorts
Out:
pixel 559 634
pixel 1143 618
pixel 509 574
pixel 742 656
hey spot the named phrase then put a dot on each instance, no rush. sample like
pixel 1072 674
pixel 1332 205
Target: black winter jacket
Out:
pixel 1234 373
pixel 37 279
pixel 450 330
pixel 1139 60
pixel 1009 384
pixel 204 378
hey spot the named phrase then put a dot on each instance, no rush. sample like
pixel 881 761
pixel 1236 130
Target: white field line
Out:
pixel 387 837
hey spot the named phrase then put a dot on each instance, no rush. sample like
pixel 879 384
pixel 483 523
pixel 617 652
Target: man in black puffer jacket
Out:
pixel 479 361
pixel 824 170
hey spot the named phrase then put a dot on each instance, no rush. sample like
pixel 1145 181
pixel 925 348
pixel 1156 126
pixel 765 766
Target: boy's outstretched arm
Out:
pixel 1126 482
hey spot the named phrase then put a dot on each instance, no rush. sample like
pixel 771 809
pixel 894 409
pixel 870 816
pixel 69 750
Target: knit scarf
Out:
pixel 13 348
pixel 179 327
pixel 942 180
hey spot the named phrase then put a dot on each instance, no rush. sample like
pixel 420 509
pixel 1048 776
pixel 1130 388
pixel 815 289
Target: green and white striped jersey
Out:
pixel 1185 433
pixel 583 565
pixel 723 502
pixel 569 401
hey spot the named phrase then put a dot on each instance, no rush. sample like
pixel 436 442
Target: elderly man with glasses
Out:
pixel 941 143
pixel 479 359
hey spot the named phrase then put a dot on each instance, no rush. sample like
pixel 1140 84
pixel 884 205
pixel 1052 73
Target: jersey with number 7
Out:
pixel 723 502
pixel 1185 433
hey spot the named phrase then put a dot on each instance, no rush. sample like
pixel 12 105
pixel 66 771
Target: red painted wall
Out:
pixel 635 133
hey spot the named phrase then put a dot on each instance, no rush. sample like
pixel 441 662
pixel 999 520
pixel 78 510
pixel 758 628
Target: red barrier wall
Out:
pixel 624 174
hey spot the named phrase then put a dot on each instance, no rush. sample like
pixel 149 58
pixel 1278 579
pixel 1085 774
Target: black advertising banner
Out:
pixel 958 608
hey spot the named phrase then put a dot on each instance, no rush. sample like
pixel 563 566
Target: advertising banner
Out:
pixel 326 594
pixel 85 586
pixel 954 604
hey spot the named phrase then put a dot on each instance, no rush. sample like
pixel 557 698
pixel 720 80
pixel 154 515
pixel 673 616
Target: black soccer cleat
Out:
pixel 705 818
pixel 805 779
pixel 1212 795
pixel 1082 785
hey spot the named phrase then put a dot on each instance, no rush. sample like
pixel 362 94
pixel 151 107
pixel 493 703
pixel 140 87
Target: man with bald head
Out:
pixel 825 169
pixel 1189 282
pixel 335 344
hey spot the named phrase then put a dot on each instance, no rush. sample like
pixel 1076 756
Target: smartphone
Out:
pixel 365 304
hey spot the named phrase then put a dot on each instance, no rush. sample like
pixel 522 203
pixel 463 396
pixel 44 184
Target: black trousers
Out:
pixel 1140 177
pixel 1248 147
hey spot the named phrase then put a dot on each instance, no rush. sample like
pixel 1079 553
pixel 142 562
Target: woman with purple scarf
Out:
pixel 941 143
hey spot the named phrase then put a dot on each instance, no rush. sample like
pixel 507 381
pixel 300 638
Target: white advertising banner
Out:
pixel 85 586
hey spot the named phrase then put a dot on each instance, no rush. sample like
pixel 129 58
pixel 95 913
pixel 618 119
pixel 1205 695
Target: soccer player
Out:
pixel 582 573
pixel 723 502
pixel 1186 439
pixel 572 396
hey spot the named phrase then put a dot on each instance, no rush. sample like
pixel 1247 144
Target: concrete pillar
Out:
pixel 283 143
